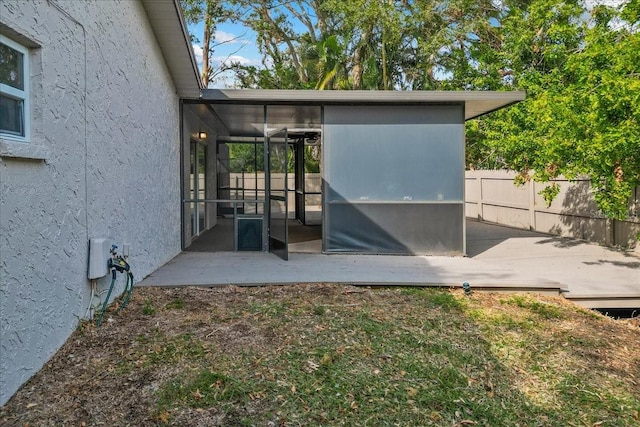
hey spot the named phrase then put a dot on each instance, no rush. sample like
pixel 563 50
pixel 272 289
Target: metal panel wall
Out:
pixel 394 179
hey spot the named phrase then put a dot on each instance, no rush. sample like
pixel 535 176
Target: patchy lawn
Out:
pixel 311 355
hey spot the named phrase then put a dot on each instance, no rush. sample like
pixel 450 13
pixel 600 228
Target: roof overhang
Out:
pixel 171 33
pixel 476 103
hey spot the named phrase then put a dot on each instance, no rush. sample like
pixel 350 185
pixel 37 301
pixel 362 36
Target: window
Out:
pixel 14 90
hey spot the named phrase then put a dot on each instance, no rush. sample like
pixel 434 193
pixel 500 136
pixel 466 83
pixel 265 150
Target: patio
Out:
pixel 499 259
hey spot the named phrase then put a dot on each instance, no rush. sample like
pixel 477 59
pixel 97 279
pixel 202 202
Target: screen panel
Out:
pixel 407 154
pixel 394 179
pixel 395 228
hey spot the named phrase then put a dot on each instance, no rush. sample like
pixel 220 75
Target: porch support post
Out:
pixel 267 184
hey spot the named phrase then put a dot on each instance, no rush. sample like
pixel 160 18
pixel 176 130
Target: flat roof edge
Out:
pixel 475 115
pixel 476 103
pixel 357 96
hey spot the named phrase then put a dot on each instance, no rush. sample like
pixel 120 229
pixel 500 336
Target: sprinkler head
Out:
pixel 467 288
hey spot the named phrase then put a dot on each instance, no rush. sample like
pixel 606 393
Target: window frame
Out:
pixel 23 95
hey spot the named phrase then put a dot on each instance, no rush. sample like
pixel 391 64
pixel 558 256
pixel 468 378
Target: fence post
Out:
pixel 480 205
pixel 609 236
pixel 532 204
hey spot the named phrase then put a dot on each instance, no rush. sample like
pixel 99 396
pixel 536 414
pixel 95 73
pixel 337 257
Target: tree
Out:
pixel 209 12
pixel 324 63
pixel 533 42
pixel 372 44
pixel 582 116
pixel 277 26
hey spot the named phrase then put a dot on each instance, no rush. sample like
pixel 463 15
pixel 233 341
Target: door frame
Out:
pixel 277 245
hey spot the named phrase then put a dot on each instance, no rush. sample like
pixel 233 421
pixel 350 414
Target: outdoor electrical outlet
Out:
pixel 125 250
pixel 98 256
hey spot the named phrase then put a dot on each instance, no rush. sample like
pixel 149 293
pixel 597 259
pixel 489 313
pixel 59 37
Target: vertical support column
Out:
pixel 267 185
pixel 211 180
pixel 610 232
pixel 182 178
pixel 464 183
pixel 322 182
pixel 299 178
pixel 532 204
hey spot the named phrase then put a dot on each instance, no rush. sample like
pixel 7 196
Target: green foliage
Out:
pixel 246 158
pixel 312 159
pixel 370 44
pixel 550 192
pixel 324 58
pixel 582 115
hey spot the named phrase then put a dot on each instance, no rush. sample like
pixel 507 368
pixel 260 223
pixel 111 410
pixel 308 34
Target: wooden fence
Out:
pixel 491 196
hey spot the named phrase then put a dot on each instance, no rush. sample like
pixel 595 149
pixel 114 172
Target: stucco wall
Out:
pixel 108 126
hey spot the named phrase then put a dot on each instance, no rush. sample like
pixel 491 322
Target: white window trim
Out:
pixel 24 95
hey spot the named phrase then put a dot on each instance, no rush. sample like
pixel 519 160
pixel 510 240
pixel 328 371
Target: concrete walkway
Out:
pixel 500 258
pixel 595 276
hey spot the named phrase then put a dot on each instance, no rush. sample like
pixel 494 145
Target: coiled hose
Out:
pixel 106 301
pixel 128 291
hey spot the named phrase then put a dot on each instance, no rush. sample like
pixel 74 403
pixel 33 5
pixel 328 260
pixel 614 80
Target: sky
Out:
pixel 233 43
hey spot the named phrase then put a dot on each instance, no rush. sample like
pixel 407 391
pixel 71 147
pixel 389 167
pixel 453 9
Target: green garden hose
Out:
pixel 127 296
pixel 129 290
pixel 106 301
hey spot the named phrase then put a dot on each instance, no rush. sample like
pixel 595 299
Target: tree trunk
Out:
pixel 358 69
pixel 384 63
pixel 206 47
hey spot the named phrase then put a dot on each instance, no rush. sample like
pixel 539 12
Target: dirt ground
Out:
pixel 99 377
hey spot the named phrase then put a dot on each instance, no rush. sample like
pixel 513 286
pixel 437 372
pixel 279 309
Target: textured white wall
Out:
pixel 110 127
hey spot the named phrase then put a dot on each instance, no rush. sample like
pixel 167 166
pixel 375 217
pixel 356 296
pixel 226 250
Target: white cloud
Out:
pixel 222 37
pixel 197 50
pixel 590 4
pixel 236 59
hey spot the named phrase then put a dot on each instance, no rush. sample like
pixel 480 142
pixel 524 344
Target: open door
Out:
pixel 300 180
pixel 278 216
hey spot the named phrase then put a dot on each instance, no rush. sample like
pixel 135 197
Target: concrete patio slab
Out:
pixel 259 268
pixel 595 276
pixel 500 258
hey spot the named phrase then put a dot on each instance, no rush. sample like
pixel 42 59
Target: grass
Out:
pixel 176 304
pixel 148 309
pixel 436 358
pixel 330 355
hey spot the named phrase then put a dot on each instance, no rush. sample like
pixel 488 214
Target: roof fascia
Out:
pixel 498 99
pixel 179 30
